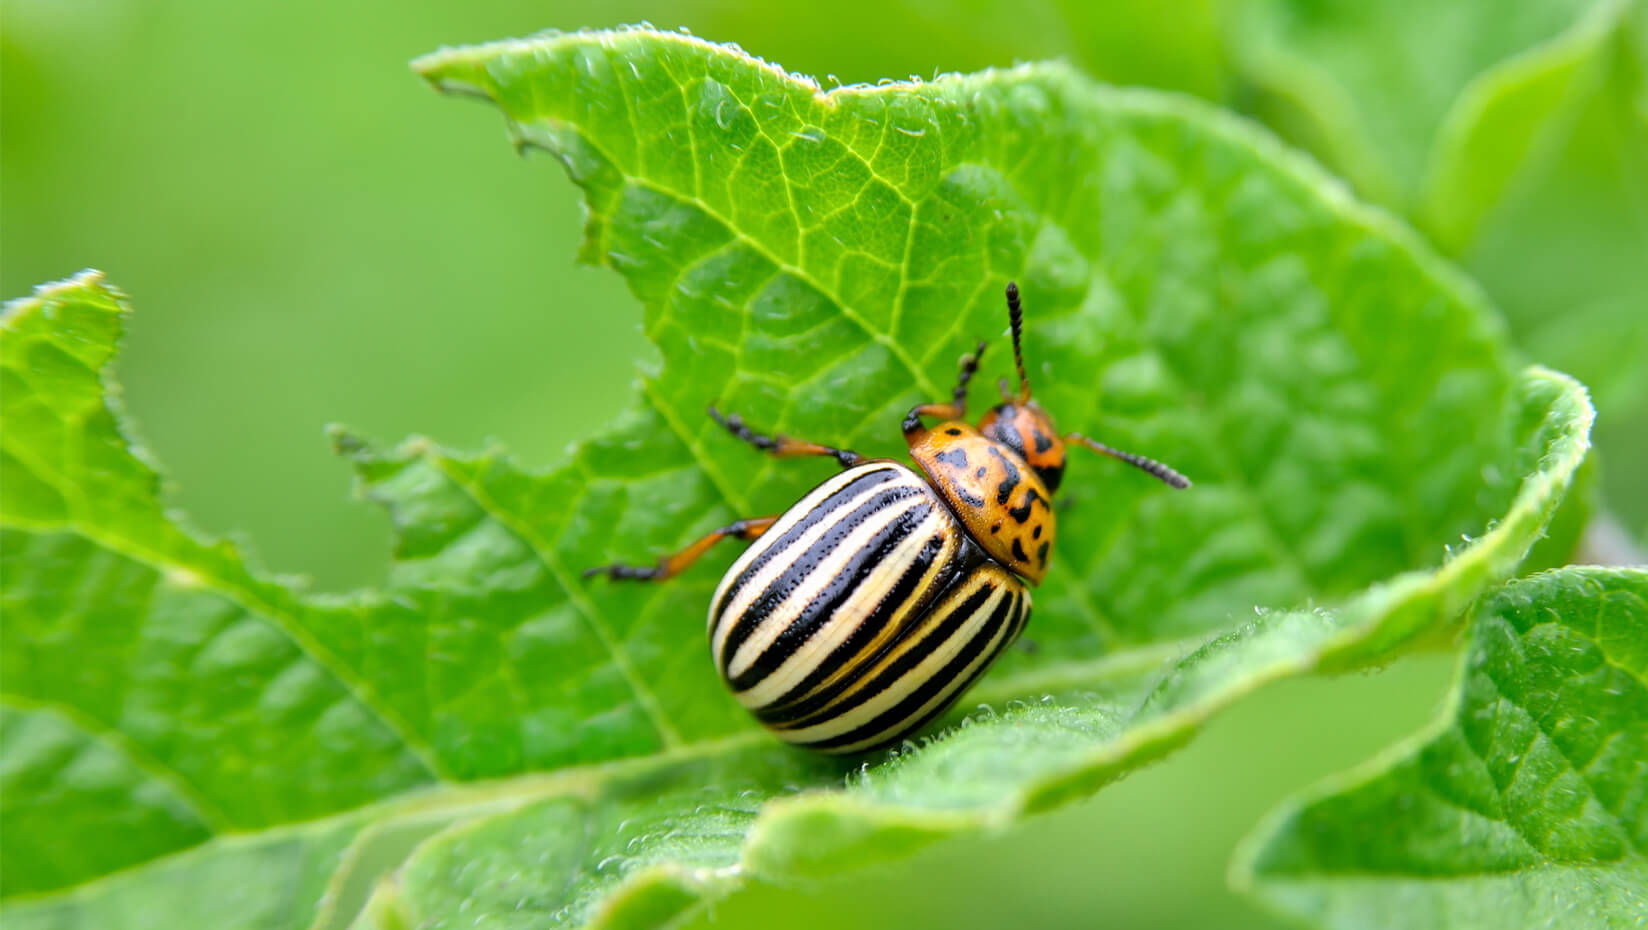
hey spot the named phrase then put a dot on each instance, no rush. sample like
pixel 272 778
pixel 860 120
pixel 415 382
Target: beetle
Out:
pixel 867 608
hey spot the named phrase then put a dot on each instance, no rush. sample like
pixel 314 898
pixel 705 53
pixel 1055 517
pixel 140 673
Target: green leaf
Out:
pixel 1525 806
pixel 638 854
pixel 156 693
pixel 1517 138
pixel 1507 121
pixel 489 736
pixel 1581 205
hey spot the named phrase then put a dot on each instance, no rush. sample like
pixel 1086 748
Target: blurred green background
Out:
pixel 310 236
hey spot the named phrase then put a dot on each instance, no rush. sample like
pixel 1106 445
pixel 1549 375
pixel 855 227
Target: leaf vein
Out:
pixel 800 273
pixel 253 604
pixel 210 815
pixel 645 699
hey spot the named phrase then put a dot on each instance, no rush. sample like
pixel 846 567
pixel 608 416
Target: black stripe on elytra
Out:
pixel 956 457
pixel 1022 621
pixel 1016 625
pixel 825 509
pixel 802 565
pixel 802 700
pixel 1022 514
pixel 904 664
pixel 840 588
pixel 1005 489
pixel 903 717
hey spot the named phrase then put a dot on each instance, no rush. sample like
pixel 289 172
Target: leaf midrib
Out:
pixel 254 604
pixel 576 596
pixel 465 801
pixel 800 273
pixel 1549 736
pixel 206 812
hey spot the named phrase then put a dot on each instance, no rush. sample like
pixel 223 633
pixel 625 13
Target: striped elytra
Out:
pixel 864 611
pixel 868 607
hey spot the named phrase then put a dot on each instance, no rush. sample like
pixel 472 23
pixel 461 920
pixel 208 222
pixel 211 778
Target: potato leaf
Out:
pixel 491 737
pixel 1526 806
pixel 1517 139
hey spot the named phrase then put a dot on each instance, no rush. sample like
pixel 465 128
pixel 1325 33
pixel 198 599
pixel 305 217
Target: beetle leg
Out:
pixel 671 565
pixel 782 447
pixel 956 409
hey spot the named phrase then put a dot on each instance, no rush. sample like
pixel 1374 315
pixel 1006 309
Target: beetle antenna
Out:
pixel 1015 317
pixel 1152 467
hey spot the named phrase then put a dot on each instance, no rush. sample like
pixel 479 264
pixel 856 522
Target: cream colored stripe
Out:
pixel 907 683
pixel 786 611
pixel 776 566
pixel 926 625
pixel 997 643
pixel 753 589
pixel 788 519
pixel 847 617
pixel 907 612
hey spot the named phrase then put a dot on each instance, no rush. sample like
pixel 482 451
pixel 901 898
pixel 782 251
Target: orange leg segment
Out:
pixel 783 447
pixel 956 409
pixel 671 565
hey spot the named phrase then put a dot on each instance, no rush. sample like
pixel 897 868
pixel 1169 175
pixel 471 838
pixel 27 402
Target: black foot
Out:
pixel 618 572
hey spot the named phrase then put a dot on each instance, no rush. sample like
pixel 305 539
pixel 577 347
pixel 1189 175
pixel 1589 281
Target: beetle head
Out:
pixel 1018 422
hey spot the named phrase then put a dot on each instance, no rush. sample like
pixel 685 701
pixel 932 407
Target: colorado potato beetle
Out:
pixel 867 608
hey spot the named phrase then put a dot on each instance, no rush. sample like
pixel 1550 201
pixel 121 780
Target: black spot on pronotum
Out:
pixel 1005 430
pixel 1036 533
pixel 1051 475
pixel 995 527
pixel 967 497
pixel 1042 442
pixel 1022 513
pixel 1018 552
pixel 956 458
pixel 1008 483
pixel 1041 554
pixel 952 431
pixel 980 472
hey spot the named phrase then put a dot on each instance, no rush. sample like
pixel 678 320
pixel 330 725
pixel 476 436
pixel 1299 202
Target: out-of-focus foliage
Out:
pixel 758 219
pixel 1516 136
pixel 1528 807
pixel 313 239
